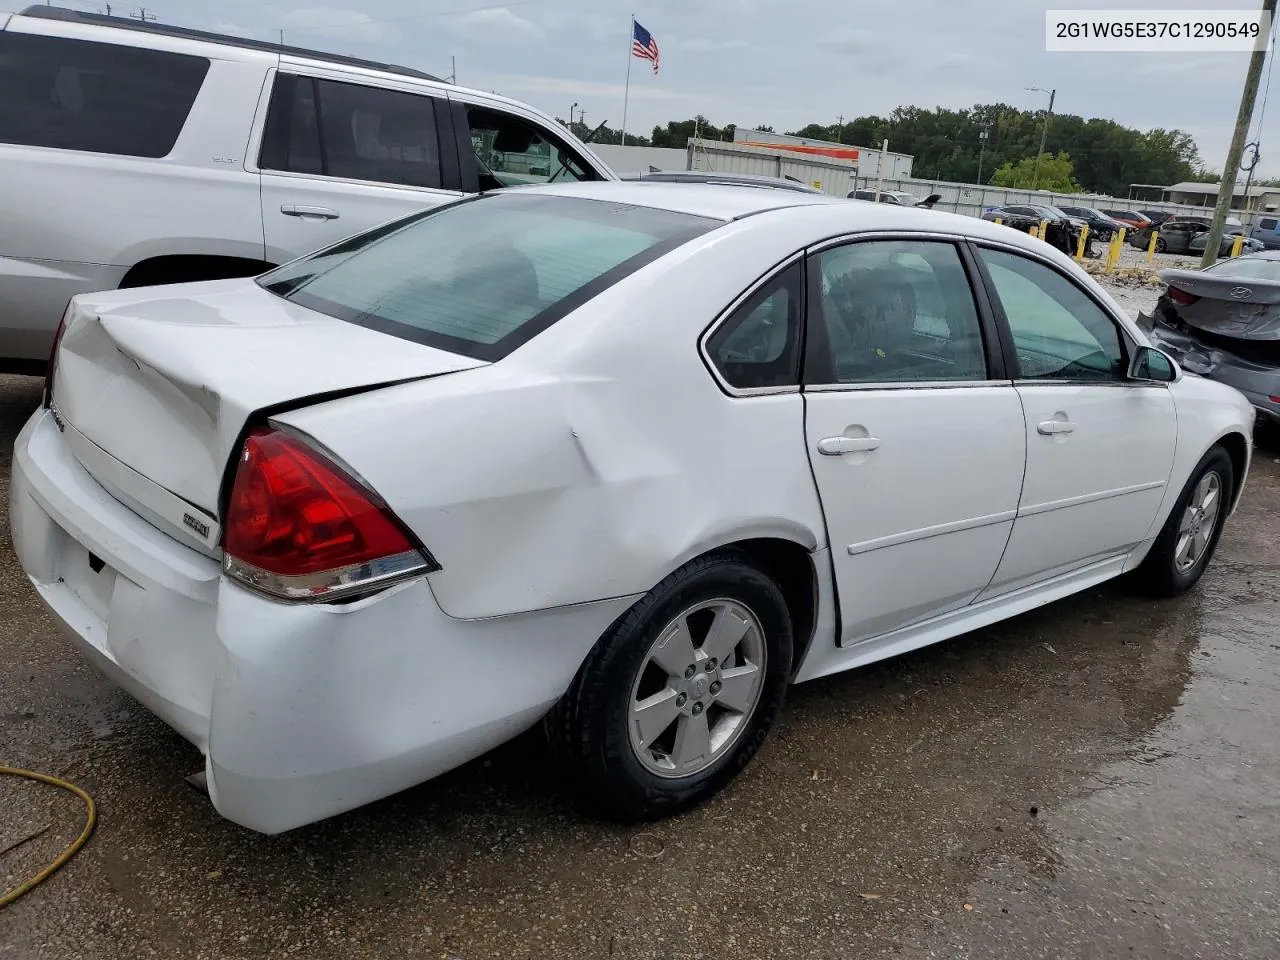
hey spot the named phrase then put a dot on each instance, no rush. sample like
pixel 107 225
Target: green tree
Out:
pixel 678 132
pixel 1055 172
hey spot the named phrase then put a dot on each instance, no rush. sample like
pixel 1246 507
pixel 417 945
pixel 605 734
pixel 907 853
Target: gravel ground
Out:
pixel 1096 779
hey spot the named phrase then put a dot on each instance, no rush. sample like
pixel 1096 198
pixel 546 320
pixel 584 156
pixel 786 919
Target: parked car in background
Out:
pixel 1132 219
pixel 1226 245
pixel 134 154
pixel 632 457
pixel 1267 232
pixel 1223 323
pixel 724 179
pixel 1063 230
pixel 1188 235
pixel 899 197
pixel 1101 226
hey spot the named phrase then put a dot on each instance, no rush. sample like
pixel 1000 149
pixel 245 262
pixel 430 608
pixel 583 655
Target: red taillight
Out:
pixel 53 361
pixel 299 527
pixel 1181 297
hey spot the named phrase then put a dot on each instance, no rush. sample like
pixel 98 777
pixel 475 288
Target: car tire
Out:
pixel 1169 568
pixel 1161 246
pixel 595 728
pixel 1103 235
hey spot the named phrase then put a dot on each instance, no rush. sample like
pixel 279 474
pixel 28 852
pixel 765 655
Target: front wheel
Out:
pixel 681 692
pixel 1186 543
pixel 1161 246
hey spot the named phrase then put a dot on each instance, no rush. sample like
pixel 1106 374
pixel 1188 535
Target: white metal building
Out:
pixel 866 159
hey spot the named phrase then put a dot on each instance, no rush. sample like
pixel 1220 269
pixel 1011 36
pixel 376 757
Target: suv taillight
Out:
pixel 300 527
pixel 53 360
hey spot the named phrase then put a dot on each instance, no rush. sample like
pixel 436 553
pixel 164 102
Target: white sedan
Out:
pixel 626 459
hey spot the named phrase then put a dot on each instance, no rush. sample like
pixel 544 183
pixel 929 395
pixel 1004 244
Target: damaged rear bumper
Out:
pixel 1260 383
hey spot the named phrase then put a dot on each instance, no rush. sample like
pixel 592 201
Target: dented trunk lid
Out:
pixel 153 387
pixel 1243 308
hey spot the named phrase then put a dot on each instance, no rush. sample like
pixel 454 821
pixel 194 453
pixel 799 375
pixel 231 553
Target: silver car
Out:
pixel 1224 323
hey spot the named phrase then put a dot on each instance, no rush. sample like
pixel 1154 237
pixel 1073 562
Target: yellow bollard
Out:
pixel 1113 253
pixel 1000 220
pixel 1044 229
pixel 1084 238
pixel 1237 246
pixel 1151 245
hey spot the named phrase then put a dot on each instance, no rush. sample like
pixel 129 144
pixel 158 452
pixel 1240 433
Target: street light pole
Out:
pixel 1044 133
pixel 982 150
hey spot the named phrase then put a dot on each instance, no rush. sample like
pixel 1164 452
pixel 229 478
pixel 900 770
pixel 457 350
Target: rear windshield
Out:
pixel 97 97
pixel 482 276
pixel 1247 268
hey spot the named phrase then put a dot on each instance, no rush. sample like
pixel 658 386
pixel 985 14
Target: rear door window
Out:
pixel 351 131
pixel 510 151
pixel 482 276
pixel 95 97
pixel 1267 223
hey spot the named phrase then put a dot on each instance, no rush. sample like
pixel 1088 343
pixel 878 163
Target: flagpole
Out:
pixel 626 96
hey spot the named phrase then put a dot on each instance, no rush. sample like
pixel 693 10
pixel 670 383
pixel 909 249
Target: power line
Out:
pixel 1266 90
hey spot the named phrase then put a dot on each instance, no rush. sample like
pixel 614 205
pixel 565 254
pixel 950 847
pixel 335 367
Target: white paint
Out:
pixel 555 487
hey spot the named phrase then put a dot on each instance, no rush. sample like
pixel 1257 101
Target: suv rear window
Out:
pixel 484 275
pixel 97 97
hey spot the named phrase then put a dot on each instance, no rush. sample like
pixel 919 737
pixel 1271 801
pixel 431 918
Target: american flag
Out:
pixel 643 45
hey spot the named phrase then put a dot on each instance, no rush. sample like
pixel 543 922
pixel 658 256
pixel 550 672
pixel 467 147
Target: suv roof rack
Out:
pixel 122 23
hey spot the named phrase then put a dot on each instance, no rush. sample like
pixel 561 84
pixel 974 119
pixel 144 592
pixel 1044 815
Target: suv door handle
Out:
pixel 319 213
pixel 1051 428
pixel 838 446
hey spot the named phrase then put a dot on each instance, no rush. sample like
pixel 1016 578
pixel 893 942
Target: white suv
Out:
pixel 137 154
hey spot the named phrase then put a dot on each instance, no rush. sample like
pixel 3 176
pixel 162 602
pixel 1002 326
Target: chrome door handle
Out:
pixel 299 210
pixel 838 446
pixel 1051 428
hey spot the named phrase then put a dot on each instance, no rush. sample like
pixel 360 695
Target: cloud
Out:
pixel 333 22
pixel 528 87
pixel 499 23
pixel 233 29
pixel 703 45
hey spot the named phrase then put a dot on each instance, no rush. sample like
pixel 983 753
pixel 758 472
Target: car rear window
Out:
pixel 1247 268
pixel 97 97
pixel 484 275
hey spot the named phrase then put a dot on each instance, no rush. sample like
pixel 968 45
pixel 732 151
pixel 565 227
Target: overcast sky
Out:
pixel 779 62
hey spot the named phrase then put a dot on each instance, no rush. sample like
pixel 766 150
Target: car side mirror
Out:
pixel 1153 366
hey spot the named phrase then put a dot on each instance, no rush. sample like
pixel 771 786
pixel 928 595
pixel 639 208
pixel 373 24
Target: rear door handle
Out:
pixel 1051 428
pixel 838 446
pixel 300 210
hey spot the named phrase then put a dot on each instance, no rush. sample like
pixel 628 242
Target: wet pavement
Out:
pixel 1098 779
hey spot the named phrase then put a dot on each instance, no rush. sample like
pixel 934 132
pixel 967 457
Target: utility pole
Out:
pixel 1235 153
pixel 572 110
pixel 982 148
pixel 143 15
pixel 1044 133
pixel 839 128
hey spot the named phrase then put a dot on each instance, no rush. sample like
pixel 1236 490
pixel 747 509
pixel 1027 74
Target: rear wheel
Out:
pixel 1160 245
pixel 681 692
pixel 1190 536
